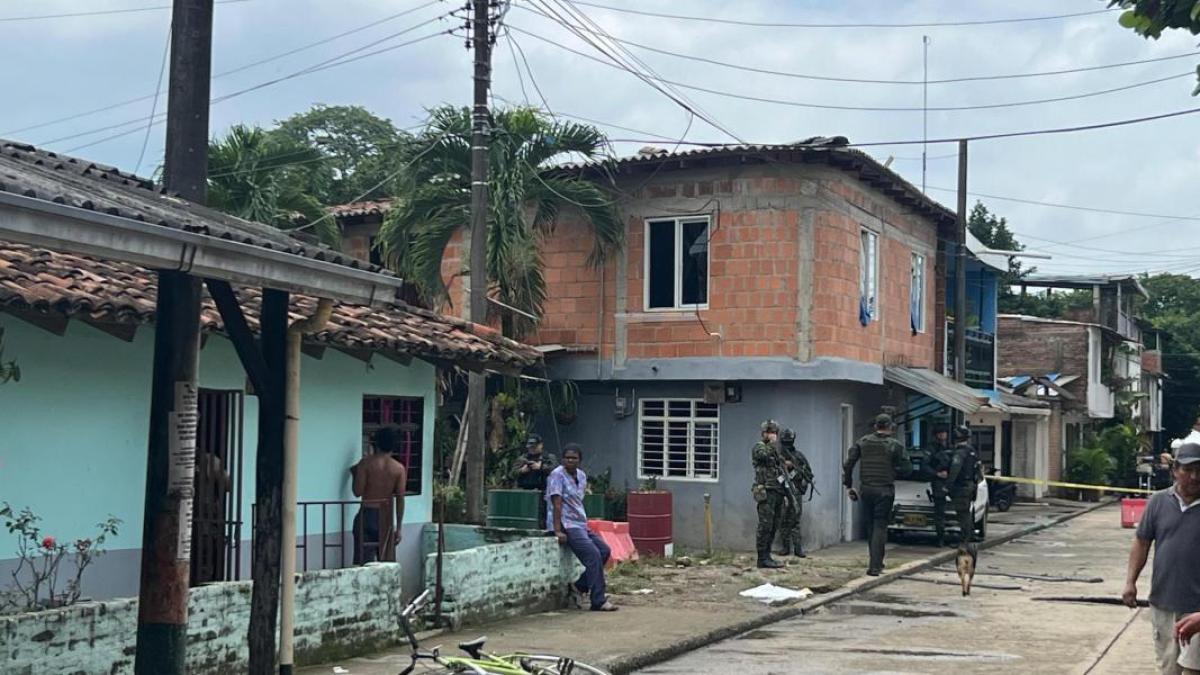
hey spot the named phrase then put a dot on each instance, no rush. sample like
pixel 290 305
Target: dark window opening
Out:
pixel 374 252
pixel 407 414
pixel 661 266
pixel 694 282
pixel 984 440
pixel 676 263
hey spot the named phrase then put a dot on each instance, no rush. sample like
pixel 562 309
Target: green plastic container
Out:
pixel 514 508
pixel 593 505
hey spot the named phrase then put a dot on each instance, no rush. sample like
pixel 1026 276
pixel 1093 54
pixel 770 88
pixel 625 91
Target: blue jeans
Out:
pixel 593 553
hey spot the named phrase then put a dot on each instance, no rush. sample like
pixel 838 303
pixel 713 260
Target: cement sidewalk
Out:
pixel 693 607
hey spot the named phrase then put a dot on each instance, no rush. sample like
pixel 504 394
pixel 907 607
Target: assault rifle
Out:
pixel 781 457
pixel 803 469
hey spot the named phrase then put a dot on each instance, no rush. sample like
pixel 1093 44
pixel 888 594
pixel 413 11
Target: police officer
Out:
pixel 883 459
pixel 962 479
pixel 768 492
pixel 939 464
pixel 801 473
pixel 532 468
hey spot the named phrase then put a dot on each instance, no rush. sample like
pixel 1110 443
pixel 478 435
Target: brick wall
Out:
pixel 493 581
pixel 768 220
pixel 1038 347
pixel 338 613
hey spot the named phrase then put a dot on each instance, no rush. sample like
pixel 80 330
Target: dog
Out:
pixel 965 563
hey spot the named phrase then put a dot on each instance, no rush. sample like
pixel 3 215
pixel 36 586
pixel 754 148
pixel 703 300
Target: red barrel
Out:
pixel 1132 509
pixel 650 522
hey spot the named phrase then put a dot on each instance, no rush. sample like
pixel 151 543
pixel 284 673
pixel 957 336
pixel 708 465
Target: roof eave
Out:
pixel 66 228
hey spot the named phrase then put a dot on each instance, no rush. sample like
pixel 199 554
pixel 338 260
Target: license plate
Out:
pixel 915 520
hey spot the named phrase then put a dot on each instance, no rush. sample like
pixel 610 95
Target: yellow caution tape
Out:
pixel 1056 483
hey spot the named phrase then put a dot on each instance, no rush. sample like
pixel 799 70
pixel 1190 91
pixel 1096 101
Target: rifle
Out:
pixel 803 469
pixel 788 486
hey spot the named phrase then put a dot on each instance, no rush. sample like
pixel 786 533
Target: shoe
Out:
pixel 800 553
pixel 874 573
pixel 606 607
pixel 769 563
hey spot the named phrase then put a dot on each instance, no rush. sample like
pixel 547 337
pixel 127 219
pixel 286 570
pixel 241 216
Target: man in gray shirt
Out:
pixel 1172 522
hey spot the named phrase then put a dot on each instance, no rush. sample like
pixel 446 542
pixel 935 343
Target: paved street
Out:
pixel 1009 623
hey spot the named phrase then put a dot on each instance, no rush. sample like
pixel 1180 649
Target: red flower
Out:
pixel 48 543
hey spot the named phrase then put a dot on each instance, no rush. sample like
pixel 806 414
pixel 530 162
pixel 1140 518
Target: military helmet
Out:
pixel 883 421
pixel 770 425
pixel 787 436
pixel 962 432
pixel 533 440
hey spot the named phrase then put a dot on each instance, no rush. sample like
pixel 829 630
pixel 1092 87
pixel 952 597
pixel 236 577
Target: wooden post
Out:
pixel 268 484
pixel 171 449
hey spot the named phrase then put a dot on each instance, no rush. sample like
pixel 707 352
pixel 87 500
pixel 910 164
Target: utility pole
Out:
pixel 925 112
pixel 960 270
pixel 481 134
pixel 171 448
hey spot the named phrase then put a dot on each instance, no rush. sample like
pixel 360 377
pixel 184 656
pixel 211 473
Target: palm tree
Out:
pixel 260 175
pixel 434 198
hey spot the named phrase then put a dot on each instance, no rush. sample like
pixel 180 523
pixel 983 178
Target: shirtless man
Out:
pixel 378 479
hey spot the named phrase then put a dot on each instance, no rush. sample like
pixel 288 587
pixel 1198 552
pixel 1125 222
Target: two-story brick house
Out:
pixel 797 283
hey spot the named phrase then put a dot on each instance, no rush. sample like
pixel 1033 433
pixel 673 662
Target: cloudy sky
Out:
pixel 62 67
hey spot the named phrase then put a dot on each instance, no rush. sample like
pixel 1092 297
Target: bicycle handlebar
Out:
pixel 417 603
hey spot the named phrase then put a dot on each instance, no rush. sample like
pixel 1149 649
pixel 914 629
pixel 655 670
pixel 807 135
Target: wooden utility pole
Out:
pixel 171 449
pixel 481 134
pixel 960 270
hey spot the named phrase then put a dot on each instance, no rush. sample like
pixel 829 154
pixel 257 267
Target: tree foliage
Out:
pixel 992 231
pixel 1149 18
pixel 1174 309
pixel 434 197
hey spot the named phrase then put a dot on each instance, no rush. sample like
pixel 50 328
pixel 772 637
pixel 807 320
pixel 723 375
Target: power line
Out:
pixel 226 73
pixel 856 80
pixel 162 70
pixel 828 106
pixel 102 12
pixel 1073 207
pixel 777 24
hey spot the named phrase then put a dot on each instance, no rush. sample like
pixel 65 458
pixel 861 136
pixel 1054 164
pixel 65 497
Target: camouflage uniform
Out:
pixel 962 484
pixel 789 526
pixel 883 459
pixel 768 492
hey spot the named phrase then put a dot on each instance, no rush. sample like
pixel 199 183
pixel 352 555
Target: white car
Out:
pixel 912 512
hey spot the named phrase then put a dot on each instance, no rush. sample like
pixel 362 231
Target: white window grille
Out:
pixel 678 438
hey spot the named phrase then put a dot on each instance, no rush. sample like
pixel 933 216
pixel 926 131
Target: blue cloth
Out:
pixel 864 310
pixel 591 550
pixel 571 489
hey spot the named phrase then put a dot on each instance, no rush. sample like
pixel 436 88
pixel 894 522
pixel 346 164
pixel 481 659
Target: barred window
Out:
pixel 677 438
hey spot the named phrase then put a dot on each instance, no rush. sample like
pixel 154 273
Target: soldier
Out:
pixel 883 459
pixel 962 480
pixel 768 492
pixel 801 474
pixel 531 469
pixel 939 464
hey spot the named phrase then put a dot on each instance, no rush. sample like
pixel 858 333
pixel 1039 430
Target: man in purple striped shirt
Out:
pixel 566 518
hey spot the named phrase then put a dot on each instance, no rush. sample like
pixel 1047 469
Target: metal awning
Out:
pixel 936 386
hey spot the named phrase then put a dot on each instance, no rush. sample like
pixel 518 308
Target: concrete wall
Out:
pixel 495 580
pixel 76 424
pixel 812 409
pixel 338 613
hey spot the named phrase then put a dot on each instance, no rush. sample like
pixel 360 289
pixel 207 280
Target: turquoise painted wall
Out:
pixel 73 430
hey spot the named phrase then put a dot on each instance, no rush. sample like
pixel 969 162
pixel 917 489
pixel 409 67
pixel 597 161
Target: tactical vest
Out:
pixel 969 476
pixel 875 464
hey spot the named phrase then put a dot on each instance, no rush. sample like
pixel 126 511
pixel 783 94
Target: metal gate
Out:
pixel 217 509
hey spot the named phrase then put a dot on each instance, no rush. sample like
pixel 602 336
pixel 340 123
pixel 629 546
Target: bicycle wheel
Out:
pixel 548 664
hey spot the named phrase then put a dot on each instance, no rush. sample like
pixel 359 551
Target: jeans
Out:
pixel 593 553
pixel 877 503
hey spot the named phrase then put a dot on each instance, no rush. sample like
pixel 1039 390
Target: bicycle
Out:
pixel 479 662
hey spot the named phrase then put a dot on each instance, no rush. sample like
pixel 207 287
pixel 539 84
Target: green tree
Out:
pixel 257 175
pixel 1174 309
pixel 361 151
pixel 526 201
pixel 1149 18
pixel 992 231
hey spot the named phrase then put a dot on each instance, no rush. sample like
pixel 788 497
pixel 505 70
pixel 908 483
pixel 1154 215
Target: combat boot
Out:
pixel 799 552
pixel 765 561
pixel 787 547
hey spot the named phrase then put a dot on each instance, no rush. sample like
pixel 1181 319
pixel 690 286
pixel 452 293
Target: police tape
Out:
pixel 1082 486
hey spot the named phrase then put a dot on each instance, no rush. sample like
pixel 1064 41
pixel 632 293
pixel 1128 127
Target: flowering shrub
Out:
pixel 35 581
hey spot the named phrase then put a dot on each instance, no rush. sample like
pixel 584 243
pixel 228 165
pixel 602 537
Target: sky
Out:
pixel 66 66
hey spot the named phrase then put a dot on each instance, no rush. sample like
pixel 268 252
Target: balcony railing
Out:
pixel 981 357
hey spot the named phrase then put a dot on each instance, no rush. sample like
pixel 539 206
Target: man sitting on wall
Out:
pixel 379 479
pixel 566 518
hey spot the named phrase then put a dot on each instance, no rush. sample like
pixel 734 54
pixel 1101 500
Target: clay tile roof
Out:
pixel 364 208
pixel 40 174
pixel 47 282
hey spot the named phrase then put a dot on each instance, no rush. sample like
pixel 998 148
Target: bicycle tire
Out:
pixel 552 662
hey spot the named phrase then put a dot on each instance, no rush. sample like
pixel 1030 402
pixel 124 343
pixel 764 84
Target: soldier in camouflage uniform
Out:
pixel 962 480
pixel 883 460
pixel 799 470
pixel 768 492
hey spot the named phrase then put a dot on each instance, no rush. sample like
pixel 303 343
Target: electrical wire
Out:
pixel 1073 207
pixel 102 12
pixel 829 106
pixel 780 24
pixel 857 80
pixel 162 70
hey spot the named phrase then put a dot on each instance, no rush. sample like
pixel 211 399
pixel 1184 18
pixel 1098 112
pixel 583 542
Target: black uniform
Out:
pixel 939 460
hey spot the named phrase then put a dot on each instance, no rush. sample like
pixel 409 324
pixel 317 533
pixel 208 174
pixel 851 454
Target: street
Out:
pixel 1017 619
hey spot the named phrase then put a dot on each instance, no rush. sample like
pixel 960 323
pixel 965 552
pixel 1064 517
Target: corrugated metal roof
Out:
pixel 936 386
pixel 1085 281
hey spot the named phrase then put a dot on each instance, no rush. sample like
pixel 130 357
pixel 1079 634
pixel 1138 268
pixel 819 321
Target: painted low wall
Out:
pixel 339 613
pixel 492 573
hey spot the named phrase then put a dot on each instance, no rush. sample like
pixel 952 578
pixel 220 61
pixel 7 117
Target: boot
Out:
pixel 799 552
pixel 787 547
pixel 765 561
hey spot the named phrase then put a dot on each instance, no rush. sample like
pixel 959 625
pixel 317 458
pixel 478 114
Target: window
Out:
pixel 868 278
pixel 374 251
pixel 677 263
pixel 916 294
pixel 406 413
pixel 677 438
